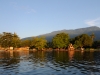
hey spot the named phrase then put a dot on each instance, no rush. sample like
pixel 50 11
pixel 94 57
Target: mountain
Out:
pixel 73 33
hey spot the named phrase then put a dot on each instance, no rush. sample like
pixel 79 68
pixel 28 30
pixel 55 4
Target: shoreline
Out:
pixel 62 50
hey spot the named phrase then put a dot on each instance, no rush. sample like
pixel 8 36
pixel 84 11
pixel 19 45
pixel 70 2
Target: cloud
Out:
pixel 31 11
pixel 25 9
pixel 95 22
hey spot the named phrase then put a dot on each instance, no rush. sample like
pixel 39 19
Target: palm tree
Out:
pixel 92 36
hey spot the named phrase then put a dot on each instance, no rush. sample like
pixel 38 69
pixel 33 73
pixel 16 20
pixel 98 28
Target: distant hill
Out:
pixel 73 33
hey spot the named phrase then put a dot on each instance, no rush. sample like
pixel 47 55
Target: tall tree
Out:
pixel 15 40
pixel 92 36
pixel 26 43
pixel 61 40
pixel 83 40
pixel 8 39
pixel 96 44
pixel 39 43
pixel 49 45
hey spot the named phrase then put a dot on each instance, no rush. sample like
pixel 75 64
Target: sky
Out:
pixel 35 17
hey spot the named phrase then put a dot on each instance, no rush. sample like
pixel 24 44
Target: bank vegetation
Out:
pixel 60 41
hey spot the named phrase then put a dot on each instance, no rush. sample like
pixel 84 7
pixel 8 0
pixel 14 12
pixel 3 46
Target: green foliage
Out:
pixel 6 39
pixel 61 40
pixel 78 44
pixel 9 39
pixel 39 43
pixel 26 43
pixel 49 45
pixel 92 36
pixel 16 40
pixel 96 44
pixel 83 40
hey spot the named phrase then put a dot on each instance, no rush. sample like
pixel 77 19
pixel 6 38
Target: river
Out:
pixel 50 63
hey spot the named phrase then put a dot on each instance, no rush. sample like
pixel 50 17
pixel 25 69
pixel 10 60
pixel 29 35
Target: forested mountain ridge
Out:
pixel 73 33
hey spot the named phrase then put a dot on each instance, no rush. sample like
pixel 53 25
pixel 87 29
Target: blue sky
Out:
pixel 35 17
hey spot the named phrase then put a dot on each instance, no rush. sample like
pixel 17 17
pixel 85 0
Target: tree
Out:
pixel 39 43
pixel 26 43
pixel 49 45
pixel 96 44
pixel 8 39
pixel 92 36
pixel 15 40
pixel 78 44
pixel 83 40
pixel 61 40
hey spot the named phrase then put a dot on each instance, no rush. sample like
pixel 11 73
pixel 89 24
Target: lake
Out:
pixel 50 63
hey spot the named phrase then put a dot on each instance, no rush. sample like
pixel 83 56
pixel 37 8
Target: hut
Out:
pixel 70 47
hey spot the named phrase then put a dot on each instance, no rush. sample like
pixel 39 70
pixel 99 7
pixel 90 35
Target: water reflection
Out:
pixel 71 55
pixel 52 63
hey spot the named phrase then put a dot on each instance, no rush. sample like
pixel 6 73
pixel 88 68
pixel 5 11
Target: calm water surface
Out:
pixel 50 63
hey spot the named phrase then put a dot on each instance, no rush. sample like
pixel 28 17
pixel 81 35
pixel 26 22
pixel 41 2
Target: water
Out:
pixel 50 63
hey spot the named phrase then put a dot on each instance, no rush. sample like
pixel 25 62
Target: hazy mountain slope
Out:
pixel 73 33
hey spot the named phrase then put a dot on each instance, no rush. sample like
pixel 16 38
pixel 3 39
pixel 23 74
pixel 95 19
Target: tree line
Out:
pixel 60 40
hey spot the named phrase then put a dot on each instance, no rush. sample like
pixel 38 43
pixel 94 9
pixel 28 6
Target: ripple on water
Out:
pixel 50 63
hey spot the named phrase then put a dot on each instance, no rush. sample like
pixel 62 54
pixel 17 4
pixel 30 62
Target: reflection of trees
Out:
pixel 78 56
pixel 88 56
pixel 84 56
pixel 97 56
pixel 40 55
pixel 61 57
pixel 4 55
pixel 87 61
pixel 7 59
pixel 16 54
pixel 56 60
pixel 38 58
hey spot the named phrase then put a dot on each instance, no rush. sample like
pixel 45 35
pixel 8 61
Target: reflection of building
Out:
pixel 11 53
pixel 71 54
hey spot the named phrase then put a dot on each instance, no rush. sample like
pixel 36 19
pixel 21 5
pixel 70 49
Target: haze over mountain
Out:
pixel 72 33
